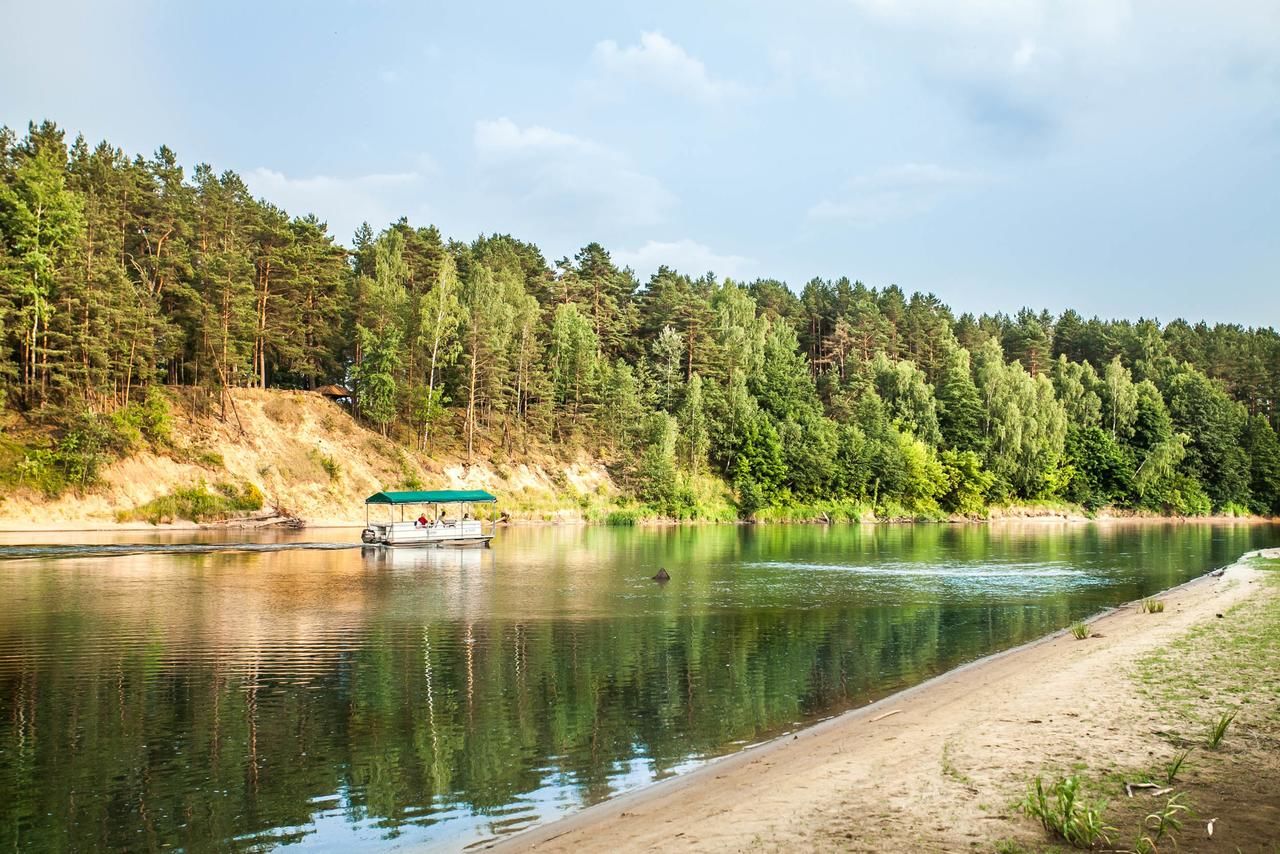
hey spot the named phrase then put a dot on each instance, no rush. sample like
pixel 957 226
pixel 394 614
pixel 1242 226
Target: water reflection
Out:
pixel 359 698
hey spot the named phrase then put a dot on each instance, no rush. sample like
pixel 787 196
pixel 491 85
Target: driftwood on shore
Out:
pixel 275 518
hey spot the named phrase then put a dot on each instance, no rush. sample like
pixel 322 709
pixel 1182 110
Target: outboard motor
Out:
pixel 368 535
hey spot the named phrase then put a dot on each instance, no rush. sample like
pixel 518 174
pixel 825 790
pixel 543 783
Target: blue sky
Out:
pixel 1117 156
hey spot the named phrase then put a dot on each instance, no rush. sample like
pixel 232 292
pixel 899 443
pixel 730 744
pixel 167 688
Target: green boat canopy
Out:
pixel 436 496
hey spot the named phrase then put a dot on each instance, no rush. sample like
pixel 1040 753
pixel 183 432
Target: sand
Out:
pixel 940 767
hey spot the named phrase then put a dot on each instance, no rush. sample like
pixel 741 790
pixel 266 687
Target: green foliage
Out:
pixel 149 421
pixel 1263 448
pixel 960 416
pixel 1025 424
pixel 1151 606
pixel 1175 765
pixel 966 482
pixel 657 478
pixel 1101 470
pixel 198 504
pixel 331 466
pixel 1079 630
pixel 1162 824
pixel 624 517
pixel 86 445
pixel 1218 730
pixel 574 350
pixel 118 273
pixel 375 376
pixel 1063 813
pixel 1201 409
pixel 908 398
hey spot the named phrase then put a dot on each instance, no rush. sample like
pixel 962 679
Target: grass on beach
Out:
pixel 1218 688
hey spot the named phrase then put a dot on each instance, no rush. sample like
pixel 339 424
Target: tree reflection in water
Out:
pixel 340 698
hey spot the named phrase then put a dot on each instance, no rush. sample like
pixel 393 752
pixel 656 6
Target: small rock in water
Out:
pixel 662 575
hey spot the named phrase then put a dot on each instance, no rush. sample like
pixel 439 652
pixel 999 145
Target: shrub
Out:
pixel 1079 630
pixel 198 504
pixel 331 466
pixel 624 517
pixel 87 444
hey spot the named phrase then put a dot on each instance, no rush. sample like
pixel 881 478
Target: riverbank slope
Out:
pixel 941 766
pixel 310 460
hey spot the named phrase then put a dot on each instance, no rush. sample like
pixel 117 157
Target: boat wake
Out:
pixel 116 549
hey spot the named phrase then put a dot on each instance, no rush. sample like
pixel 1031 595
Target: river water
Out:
pixel 154 694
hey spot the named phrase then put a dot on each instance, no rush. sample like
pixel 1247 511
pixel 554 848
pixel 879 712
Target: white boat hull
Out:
pixel 467 532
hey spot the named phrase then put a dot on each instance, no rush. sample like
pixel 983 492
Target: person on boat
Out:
pixel 421 521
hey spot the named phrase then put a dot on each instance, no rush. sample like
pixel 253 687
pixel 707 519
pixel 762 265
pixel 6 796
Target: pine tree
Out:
pixel 959 407
pixel 42 221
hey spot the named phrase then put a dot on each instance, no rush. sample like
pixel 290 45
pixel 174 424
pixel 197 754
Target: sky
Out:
pixel 1119 157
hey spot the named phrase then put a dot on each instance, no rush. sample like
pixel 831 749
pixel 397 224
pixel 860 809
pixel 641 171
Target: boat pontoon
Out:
pixel 442 517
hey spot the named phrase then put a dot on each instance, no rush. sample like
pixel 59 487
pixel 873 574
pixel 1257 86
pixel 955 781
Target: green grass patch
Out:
pixel 1230 659
pixel 1218 730
pixel 197 504
pixel 624 517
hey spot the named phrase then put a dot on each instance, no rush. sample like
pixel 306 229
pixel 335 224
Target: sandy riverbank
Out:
pixel 938 767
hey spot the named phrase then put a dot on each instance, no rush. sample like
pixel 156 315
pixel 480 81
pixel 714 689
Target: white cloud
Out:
pixel 548 174
pixel 895 193
pixel 686 256
pixel 1033 63
pixel 343 202
pixel 658 61
pixel 1025 54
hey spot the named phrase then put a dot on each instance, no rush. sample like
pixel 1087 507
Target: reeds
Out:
pixel 1062 812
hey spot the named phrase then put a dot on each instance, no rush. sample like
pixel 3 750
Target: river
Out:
pixel 357 699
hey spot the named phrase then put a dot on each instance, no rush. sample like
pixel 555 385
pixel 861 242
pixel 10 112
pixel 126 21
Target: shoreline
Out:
pixel 1045 518
pixel 815 787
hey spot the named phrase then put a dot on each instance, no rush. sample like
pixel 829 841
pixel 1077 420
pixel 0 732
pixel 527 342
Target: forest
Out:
pixel 122 276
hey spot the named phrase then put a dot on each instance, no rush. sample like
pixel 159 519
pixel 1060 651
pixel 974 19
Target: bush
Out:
pixel 80 453
pixel 967 483
pixel 135 422
pixel 329 464
pixel 89 441
pixel 197 504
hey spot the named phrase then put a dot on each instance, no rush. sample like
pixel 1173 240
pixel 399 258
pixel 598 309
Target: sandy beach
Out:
pixel 941 766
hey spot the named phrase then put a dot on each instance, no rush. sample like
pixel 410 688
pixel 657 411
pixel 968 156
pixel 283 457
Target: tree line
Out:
pixel 119 274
